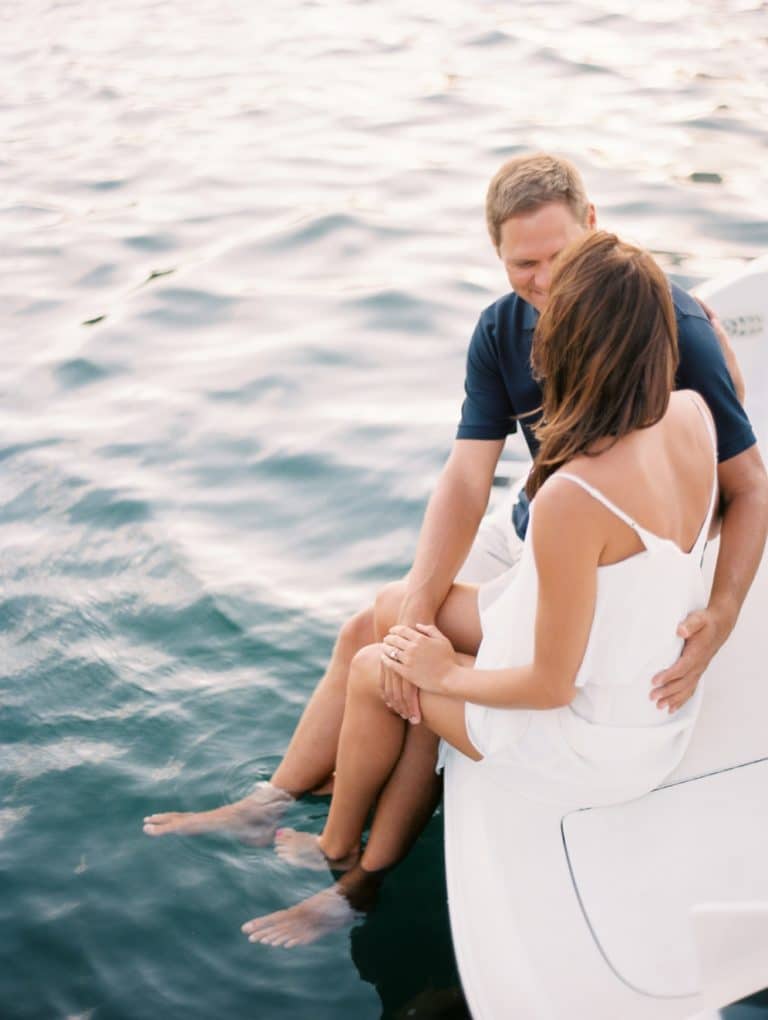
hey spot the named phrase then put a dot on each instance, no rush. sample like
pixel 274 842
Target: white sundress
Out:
pixel 611 743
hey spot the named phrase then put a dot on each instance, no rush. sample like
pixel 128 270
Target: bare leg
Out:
pixel 410 797
pixel 404 807
pixel 392 834
pixel 311 755
pixel 308 762
pixel 458 617
pixel 364 767
pixel 406 803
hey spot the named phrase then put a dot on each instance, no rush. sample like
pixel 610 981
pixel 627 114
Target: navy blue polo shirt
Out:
pixel 501 391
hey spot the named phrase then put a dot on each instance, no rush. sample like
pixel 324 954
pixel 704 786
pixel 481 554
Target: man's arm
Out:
pixel 731 361
pixel 450 524
pixel 744 496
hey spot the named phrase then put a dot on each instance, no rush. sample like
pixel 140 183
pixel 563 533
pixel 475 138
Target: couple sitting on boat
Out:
pixel 576 661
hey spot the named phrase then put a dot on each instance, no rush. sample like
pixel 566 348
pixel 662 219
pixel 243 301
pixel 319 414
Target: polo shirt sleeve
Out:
pixel 487 411
pixel 702 368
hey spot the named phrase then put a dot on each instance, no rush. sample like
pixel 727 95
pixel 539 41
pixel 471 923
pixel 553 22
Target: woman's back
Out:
pixel 661 477
pixel 612 742
pixel 649 574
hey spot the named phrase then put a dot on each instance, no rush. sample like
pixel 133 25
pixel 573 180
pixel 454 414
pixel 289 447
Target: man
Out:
pixel 536 206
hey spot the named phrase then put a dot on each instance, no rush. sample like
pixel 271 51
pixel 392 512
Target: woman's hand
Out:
pixel 421 655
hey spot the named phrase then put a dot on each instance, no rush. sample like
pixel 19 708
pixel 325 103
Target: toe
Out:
pixel 261 925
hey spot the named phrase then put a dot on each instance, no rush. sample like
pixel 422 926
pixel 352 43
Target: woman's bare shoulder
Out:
pixel 689 404
pixel 689 418
pixel 565 515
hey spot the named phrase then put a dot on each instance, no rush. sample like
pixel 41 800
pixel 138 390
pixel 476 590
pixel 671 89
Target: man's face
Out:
pixel 530 244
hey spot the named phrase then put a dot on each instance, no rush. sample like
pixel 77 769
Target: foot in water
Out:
pixel 252 820
pixel 326 911
pixel 304 850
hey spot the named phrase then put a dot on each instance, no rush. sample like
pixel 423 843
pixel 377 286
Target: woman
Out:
pixel 622 494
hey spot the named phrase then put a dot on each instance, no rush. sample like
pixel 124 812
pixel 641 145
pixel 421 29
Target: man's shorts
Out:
pixel 497 546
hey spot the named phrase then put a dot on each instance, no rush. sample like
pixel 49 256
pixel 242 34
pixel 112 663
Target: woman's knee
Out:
pixel 364 670
pixel 387 607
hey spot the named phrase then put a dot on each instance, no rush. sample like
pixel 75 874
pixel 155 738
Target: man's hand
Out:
pixel 399 695
pixel 731 363
pixel 453 515
pixel 671 688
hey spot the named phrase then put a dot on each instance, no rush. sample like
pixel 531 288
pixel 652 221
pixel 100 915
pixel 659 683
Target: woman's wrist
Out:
pixel 453 683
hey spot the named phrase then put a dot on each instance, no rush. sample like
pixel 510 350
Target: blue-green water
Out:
pixel 242 252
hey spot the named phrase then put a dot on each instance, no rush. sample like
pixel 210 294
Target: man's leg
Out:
pixel 308 762
pixel 311 755
pixel 369 761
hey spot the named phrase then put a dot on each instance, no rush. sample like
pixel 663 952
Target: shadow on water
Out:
pixel 403 947
pixel 755 1007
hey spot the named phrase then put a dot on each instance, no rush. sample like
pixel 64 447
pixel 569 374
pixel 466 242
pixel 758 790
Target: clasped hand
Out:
pixel 421 655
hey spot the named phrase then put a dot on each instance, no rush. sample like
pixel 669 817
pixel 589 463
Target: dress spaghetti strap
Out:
pixel 703 410
pixel 701 539
pixel 650 538
pixel 602 498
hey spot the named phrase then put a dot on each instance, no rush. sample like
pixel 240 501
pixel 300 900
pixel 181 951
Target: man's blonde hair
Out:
pixel 525 183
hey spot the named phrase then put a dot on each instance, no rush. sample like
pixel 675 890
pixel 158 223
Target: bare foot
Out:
pixel 252 819
pixel 304 850
pixel 333 908
pixel 322 913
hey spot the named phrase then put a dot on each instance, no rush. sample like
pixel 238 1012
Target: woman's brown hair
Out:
pixel 605 350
